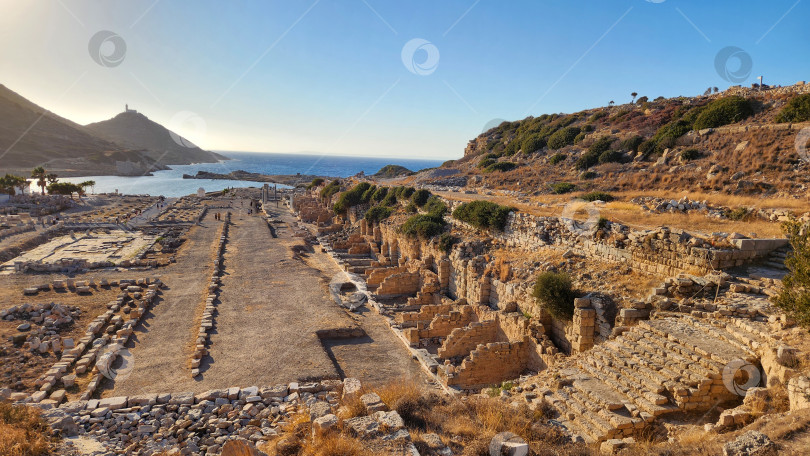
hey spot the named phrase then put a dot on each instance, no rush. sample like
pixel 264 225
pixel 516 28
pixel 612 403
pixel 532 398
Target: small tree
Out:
pixel 794 298
pixel 39 174
pixel 715 89
pixel 634 95
pixel 87 183
pixel 611 103
pixel 10 183
pixel 555 293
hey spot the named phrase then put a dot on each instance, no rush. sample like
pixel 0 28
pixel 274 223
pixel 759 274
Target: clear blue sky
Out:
pixel 328 76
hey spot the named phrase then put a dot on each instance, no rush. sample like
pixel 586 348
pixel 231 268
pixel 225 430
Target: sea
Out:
pixel 170 183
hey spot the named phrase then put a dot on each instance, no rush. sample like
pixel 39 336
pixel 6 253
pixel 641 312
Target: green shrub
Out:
pixel 411 208
pixel 562 187
pixel 690 154
pixel 602 223
pixel 796 110
pixel 587 175
pixel 597 196
pixel 369 193
pixel 378 213
pixel 484 162
pixel 667 134
pixel 533 143
pixel 500 167
pixel 315 183
pixel 420 197
pixel 512 148
pixel 632 143
pixel 580 137
pixel 446 241
pixel 331 189
pixel 556 158
pixel 591 157
pixel 794 297
pixel 379 194
pixel 351 197
pixel 739 213
pixel 723 111
pixel 555 293
pixel 424 226
pixel 647 147
pixel 562 137
pixel 483 214
pixel 390 199
pixel 611 156
pixel 597 115
pixel 435 206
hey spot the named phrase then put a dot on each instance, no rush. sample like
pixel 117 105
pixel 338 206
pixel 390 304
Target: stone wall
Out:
pixel 401 284
pixel 490 364
pixel 661 251
pixel 461 341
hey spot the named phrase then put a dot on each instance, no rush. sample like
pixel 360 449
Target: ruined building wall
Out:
pixel 659 251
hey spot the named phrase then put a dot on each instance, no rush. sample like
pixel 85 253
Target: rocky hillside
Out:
pixel 134 130
pixel 32 136
pixel 739 141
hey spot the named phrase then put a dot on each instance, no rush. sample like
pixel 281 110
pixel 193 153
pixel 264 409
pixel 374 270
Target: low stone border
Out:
pixel 202 342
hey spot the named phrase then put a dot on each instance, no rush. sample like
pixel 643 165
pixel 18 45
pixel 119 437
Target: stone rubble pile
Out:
pixel 104 337
pixel 201 424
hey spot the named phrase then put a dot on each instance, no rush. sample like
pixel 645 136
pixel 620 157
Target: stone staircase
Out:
pixel 776 259
pixel 660 366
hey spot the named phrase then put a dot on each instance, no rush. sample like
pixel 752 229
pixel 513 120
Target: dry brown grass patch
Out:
pixel 22 431
pixel 336 445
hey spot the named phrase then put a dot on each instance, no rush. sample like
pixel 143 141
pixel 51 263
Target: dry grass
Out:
pixel 469 424
pixel 776 401
pixel 691 441
pixel 336 445
pixel 22 431
pixel 632 215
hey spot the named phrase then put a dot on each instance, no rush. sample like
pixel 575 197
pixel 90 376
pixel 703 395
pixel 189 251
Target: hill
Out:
pixel 32 136
pixel 389 171
pixel 730 142
pixel 134 130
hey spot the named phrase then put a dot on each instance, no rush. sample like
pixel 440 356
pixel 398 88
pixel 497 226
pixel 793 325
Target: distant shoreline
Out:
pixel 240 175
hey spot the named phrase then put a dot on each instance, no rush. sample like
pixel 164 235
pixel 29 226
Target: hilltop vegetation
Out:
pixel 390 171
pixel 733 141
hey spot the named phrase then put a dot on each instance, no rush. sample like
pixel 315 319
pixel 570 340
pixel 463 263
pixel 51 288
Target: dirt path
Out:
pixel 160 351
pixel 271 305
